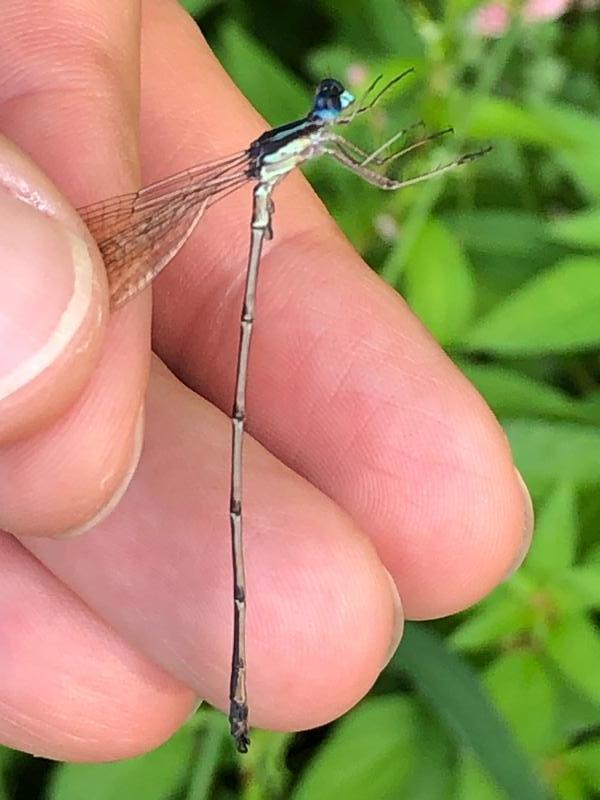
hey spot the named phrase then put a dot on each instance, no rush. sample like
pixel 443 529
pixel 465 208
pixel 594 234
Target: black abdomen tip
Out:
pixel 238 720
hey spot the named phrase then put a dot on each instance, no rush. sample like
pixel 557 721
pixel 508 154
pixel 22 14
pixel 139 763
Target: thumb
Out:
pixel 53 303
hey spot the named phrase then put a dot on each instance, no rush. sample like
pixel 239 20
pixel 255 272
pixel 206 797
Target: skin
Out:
pixel 376 457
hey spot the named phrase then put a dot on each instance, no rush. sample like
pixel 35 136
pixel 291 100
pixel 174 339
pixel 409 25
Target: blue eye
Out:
pixel 331 99
pixel 346 99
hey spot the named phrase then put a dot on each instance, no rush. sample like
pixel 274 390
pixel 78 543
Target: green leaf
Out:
pixel 474 783
pixel 494 117
pixel 197 7
pixel 369 754
pixel 525 694
pixel 439 284
pixel 499 617
pixel 266 83
pixel 458 698
pixel 585 759
pixel 375 29
pixel 575 712
pixel 511 393
pixel 569 786
pixel 583 129
pixel 543 450
pixel 577 125
pixel 265 765
pixel 574 645
pixel 514 233
pixel 580 230
pixel 584 583
pixel 507 246
pixel 153 776
pixel 212 739
pixel 6 759
pixel 555 542
pixel 589 406
pixel 585 170
pixel 556 311
pixel 433 763
pixel 334 59
pixel 559 127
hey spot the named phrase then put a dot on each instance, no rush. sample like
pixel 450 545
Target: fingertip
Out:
pixel 94 475
pixel 398 619
pixel 70 687
pixel 331 620
pixel 117 494
pixel 527 527
pixel 52 314
pixel 469 522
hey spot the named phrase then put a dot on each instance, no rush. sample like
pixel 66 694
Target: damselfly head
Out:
pixel 331 98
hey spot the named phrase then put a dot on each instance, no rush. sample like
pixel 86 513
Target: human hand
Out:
pixel 347 391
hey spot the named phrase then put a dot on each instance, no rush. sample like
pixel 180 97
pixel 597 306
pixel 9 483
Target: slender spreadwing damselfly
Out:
pixel 140 233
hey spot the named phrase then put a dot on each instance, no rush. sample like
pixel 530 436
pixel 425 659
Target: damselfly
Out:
pixel 139 233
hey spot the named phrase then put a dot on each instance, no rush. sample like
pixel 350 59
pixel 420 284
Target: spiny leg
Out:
pixel 385 89
pixel 383 182
pixel 425 140
pixel 363 158
pixel 238 703
pixel 362 100
pixel 362 155
pixel 360 109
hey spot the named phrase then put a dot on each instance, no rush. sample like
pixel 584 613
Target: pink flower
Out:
pixel 538 10
pixel 491 19
pixel 356 74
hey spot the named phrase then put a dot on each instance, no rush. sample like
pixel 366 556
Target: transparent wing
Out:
pixel 139 233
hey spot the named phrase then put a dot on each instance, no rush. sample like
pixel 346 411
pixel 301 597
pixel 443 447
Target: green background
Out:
pixel 501 260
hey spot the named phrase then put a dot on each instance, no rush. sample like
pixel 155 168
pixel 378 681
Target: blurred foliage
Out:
pixel 501 260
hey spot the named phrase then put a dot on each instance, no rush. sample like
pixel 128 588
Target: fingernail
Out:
pixel 398 626
pixel 528 525
pixel 46 284
pixel 115 499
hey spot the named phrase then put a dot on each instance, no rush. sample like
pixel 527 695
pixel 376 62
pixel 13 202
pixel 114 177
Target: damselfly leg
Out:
pixel 353 158
pixel 355 152
pixel 363 106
